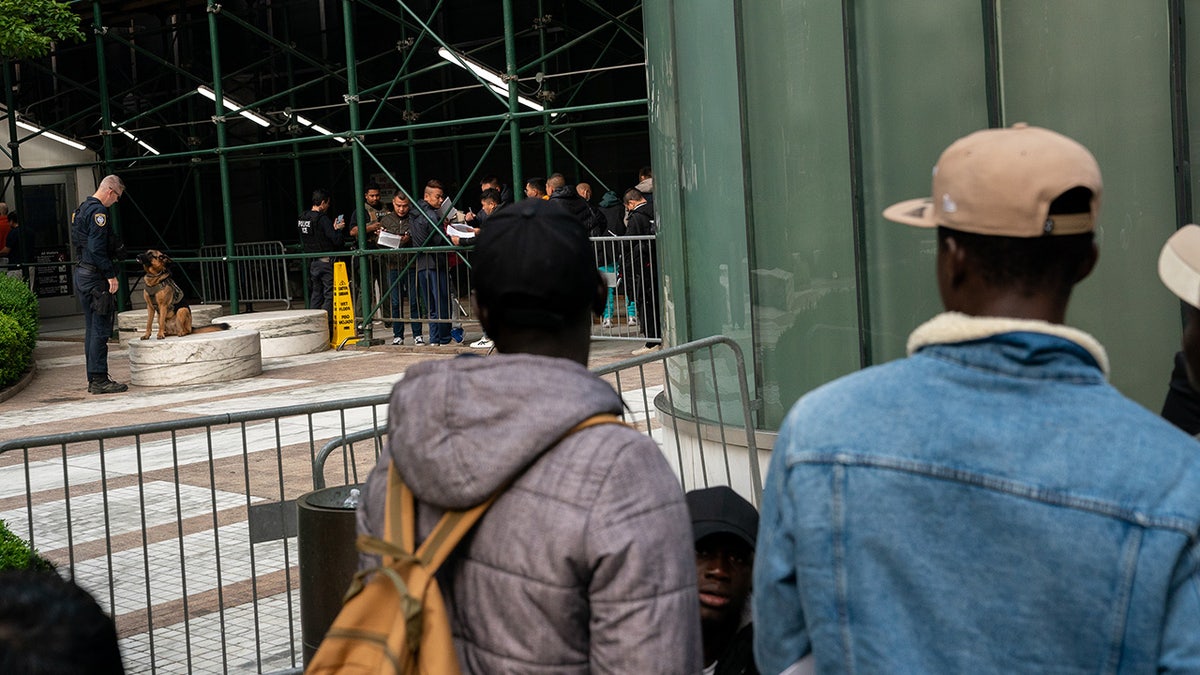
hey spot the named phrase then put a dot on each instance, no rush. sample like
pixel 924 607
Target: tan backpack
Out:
pixel 397 623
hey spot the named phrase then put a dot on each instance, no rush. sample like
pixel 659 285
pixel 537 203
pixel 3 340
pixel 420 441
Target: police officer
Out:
pixel 319 234
pixel 96 280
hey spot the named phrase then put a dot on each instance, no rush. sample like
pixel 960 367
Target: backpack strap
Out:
pixel 399 520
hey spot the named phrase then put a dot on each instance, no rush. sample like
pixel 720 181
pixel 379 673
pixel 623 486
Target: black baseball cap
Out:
pixel 720 510
pixel 533 266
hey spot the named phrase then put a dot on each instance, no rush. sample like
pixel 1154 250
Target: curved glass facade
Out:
pixel 780 129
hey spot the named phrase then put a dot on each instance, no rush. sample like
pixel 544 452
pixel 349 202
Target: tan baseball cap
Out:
pixel 1179 264
pixel 1000 182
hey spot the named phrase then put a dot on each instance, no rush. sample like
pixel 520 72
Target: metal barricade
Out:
pixel 260 278
pixel 185 530
pixel 630 270
pixel 400 295
pixel 693 400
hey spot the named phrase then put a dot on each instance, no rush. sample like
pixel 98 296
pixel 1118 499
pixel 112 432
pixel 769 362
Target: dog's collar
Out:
pixel 158 281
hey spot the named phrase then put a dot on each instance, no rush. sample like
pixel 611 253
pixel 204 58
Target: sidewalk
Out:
pixel 57 400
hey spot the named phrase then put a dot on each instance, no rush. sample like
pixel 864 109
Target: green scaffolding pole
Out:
pixel 13 144
pixel 547 146
pixel 222 159
pixel 106 137
pixel 514 122
pixel 364 277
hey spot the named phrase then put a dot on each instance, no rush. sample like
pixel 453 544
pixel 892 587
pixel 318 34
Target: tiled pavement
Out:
pixel 157 525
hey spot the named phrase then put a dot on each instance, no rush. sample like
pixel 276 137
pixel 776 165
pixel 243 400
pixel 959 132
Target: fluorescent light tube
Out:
pixel 490 76
pixel 483 73
pixel 532 105
pixel 51 135
pixel 231 105
pixel 318 128
pixel 137 140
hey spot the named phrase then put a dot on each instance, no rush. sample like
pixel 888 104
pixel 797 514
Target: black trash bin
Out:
pixel 328 560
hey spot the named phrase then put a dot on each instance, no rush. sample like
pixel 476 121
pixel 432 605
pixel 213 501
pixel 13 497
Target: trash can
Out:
pixel 327 557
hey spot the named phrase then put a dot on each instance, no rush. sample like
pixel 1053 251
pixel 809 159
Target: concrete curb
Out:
pixel 20 384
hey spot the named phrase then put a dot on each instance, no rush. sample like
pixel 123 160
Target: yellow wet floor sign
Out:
pixel 343 307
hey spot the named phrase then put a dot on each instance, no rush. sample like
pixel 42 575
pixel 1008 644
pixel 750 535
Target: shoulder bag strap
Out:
pixel 398 519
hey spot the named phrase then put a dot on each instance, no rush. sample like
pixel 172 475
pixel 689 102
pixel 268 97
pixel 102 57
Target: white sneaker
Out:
pixel 633 321
pixel 397 340
pixel 483 343
pixel 640 351
pixel 607 323
pixel 418 340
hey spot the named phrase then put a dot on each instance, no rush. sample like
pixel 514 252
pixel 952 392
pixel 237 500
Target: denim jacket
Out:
pixel 988 505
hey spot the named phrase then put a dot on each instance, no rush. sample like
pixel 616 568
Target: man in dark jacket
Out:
pixel 432 279
pixel 96 280
pixel 725 526
pixel 585 562
pixel 319 234
pixel 566 198
pixel 641 267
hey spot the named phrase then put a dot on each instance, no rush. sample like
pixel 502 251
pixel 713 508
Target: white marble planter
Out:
pixel 286 332
pixel 131 324
pixel 195 359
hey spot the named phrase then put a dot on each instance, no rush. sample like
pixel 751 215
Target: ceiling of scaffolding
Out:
pixel 146 80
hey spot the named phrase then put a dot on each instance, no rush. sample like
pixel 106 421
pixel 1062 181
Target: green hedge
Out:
pixel 15 352
pixel 15 554
pixel 17 301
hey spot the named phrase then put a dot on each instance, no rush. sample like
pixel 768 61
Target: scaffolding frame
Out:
pixel 365 137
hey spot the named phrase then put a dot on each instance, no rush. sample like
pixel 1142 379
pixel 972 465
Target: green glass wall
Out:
pixel 780 129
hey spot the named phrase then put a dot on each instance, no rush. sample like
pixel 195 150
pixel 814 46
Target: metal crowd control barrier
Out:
pixel 397 293
pixel 185 530
pixel 694 400
pixel 630 270
pixel 627 264
pixel 260 279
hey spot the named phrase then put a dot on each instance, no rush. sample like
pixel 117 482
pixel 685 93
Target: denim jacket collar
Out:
pixel 952 327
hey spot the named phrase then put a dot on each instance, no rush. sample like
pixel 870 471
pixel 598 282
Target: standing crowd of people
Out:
pixel 432 281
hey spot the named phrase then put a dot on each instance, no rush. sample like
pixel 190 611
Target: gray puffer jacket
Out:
pixel 586 563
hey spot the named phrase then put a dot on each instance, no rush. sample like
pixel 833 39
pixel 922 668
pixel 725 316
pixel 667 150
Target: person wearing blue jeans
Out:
pixel 432 284
pixel 989 504
pixel 399 222
pixel 432 281
pixel 404 287
pixel 96 280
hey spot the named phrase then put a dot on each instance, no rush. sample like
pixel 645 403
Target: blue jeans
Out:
pixel 97 327
pixel 432 282
pixel 409 287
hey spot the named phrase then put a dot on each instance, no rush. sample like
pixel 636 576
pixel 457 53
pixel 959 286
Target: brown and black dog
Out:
pixel 165 297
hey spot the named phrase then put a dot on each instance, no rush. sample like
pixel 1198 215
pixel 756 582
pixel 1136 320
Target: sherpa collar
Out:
pixel 951 327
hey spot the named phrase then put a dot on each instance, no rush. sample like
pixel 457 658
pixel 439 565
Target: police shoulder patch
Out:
pixel 101 219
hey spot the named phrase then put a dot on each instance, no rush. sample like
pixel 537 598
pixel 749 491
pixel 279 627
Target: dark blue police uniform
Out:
pixel 317 235
pixel 90 232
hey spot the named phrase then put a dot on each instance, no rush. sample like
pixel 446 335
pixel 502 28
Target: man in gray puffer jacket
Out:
pixel 585 563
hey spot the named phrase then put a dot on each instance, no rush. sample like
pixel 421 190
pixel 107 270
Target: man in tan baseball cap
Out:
pixel 989 504
pixel 1179 269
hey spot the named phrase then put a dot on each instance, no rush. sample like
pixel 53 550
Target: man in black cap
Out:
pixel 725 527
pixel 589 543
